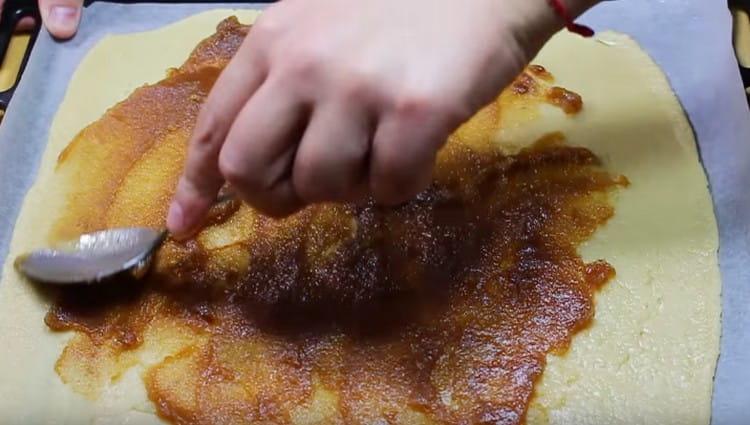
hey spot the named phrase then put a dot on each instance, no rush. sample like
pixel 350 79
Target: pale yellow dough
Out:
pixel 649 357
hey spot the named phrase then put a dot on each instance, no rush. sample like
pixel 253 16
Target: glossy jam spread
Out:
pixel 441 310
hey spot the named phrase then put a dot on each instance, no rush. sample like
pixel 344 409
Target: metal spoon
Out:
pixel 95 257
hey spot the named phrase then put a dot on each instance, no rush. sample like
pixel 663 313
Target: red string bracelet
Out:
pixel 573 27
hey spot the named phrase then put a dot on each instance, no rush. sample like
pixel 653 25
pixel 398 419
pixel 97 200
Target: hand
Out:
pixel 60 17
pixel 335 100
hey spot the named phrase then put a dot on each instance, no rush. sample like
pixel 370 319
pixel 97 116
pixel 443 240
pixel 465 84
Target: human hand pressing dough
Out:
pixel 339 100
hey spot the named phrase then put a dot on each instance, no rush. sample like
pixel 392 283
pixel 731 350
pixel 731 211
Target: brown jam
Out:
pixel 568 101
pixel 441 310
pixel 540 72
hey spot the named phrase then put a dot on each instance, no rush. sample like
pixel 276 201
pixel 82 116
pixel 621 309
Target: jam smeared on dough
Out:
pixel 567 100
pixel 440 310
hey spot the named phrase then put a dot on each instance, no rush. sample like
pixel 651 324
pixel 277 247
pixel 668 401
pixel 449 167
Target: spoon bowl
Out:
pixel 93 257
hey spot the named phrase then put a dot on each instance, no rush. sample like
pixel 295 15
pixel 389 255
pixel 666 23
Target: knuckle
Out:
pixel 303 62
pixel 416 105
pixel 229 169
pixel 411 104
pixel 236 174
pixel 428 105
pixel 267 26
pixel 354 88
pixel 358 85
pixel 208 131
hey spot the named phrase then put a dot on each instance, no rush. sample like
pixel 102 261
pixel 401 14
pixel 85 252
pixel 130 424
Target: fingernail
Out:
pixel 175 218
pixel 64 16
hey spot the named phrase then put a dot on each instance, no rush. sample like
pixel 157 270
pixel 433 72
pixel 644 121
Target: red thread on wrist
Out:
pixel 562 11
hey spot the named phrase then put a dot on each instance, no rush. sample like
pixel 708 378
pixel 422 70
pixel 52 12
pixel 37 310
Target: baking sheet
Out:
pixel 690 39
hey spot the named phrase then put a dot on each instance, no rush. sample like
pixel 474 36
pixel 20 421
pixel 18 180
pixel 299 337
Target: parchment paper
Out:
pixel 690 39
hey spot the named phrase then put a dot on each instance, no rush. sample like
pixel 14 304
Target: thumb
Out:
pixel 61 17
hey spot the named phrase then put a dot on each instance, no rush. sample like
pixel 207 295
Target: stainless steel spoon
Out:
pixel 95 257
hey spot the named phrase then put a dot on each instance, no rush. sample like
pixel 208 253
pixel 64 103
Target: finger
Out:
pixel 25 24
pixel 61 17
pixel 259 151
pixel 330 162
pixel 403 156
pixel 201 179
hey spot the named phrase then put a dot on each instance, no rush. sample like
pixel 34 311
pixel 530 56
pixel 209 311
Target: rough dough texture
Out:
pixel 649 356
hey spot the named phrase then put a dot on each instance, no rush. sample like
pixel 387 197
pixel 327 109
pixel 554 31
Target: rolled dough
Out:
pixel 650 354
